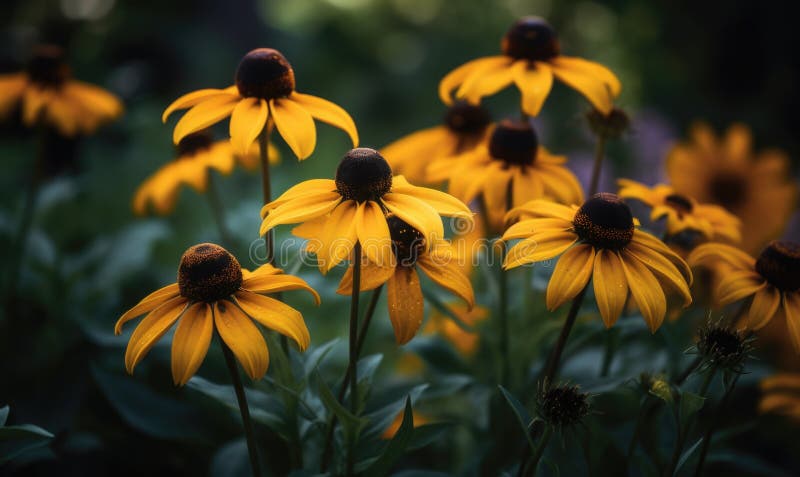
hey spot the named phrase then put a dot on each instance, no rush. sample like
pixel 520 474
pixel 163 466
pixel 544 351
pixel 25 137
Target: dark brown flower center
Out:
pixel 531 38
pixel 604 221
pixel 610 125
pixel 779 264
pixel 681 203
pixel 728 189
pixel 47 67
pixel 722 346
pixel 563 405
pixel 208 273
pixel 194 143
pixel 363 175
pixel 265 73
pixel 467 119
pixel 514 142
pixel 407 242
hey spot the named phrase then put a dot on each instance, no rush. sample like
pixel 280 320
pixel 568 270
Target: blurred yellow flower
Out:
pixel 464 127
pixel 771 282
pixel 404 292
pixel 531 58
pixel 508 169
pixel 48 95
pixel 197 155
pixel 465 342
pixel 683 213
pixel 336 214
pixel 781 395
pixel 214 293
pixel 264 94
pixel 755 187
pixel 599 241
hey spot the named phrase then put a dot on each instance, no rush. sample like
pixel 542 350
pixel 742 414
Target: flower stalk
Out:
pixel 353 366
pixel 551 368
pixel 241 399
pixel 218 211
pixel 266 187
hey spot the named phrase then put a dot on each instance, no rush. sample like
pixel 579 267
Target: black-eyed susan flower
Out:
pixel 508 169
pixel 463 128
pixel 410 253
pixel 531 58
pixel 599 241
pixel 264 94
pixel 213 293
pixel 197 155
pixel 465 342
pixel 47 94
pixel 781 395
pixel 755 187
pixel 683 214
pixel 335 214
pixel 771 282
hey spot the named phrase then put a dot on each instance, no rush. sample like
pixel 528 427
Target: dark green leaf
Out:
pixel 687 454
pixel 522 415
pixel 689 405
pixel 397 446
pixel 381 419
pixel 352 424
pixel 4 415
pixel 264 408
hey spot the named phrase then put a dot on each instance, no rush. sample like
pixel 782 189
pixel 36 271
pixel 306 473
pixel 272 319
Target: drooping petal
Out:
pixel 590 86
pixel 649 241
pixel 592 69
pixel 274 283
pixel 242 337
pixel 203 115
pixel 662 267
pixel 610 286
pixel 191 341
pixel 151 329
pixel 448 274
pixel 445 204
pixel 196 97
pixel 276 316
pixel 100 101
pixel 791 309
pixel 526 228
pixel 146 304
pixel 11 89
pixel 539 247
pixel 570 276
pixel 416 213
pixel 646 292
pixel 542 208
pixel 247 121
pixel 301 209
pixel 765 304
pixel 534 82
pixel 708 254
pixel 372 276
pixel 487 83
pixel 338 236
pixel 411 155
pixel 305 188
pixel 474 67
pixel 736 285
pixel 404 295
pixel 328 112
pixel 373 233
pixel 295 125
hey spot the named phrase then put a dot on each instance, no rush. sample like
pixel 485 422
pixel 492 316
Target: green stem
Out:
pixel 684 433
pixel 266 188
pixel 353 366
pixel 533 466
pixel 710 431
pixel 217 209
pixel 503 314
pixel 362 334
pixel 241 398
pixel 612 339
pixel 599 154
pixel 553 361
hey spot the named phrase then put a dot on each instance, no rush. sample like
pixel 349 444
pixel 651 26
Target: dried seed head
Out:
pixel 604 221
pixel 208 273
pixel 363 174
pixel 264 73
pixel 611 125
pixel 723 347
pixel 563 406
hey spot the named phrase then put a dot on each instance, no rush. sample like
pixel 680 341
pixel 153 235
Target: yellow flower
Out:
pixel 197 154
pixel 772 281
pixel 683 213
pixel 600 242
pixel 465 342
pixel 507 170
pixel 531 58
pixel 264 94
pixel 756 188
pixel 338 213
pixel 214 293
pixel 410 253
pixel 48 95
pixel 781 395
pixel 464 127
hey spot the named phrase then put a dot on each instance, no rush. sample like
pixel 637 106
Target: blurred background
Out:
pixel 89 258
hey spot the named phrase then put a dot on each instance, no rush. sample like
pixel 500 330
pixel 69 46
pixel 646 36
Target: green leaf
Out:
pixel 367 366
pixel 231 460
pixel 687 454
pixel 689 405
pixel 427 434
pixel 446 311
pixel 438 354
pixel 17 440
pixel 397 446
pixel 4 415
pixel 316 354
pixel 352 424
pixel 381 419
pixel 522 414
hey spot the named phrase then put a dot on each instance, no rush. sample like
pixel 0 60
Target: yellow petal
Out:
pixel 445 204
pixel 590 86
pixel 274 283
pixel 372 276
pixel 610 286
pixel 662 267
pixel 448 274
pixel 534 82
pixel 373 233
pixel 276 316
pixel 570 276
pixel 646 292
pixel 542 208
pixel 148 303
pixel 305 188
pixel 417 214
pixel 708 254
pixel 203 115
pixel 247 121
pixel 338 236
pixel 295 125
pixel 592 69
pixel 560 183
pixel 11 88
pixel 411 154
pixel 526 228
pixel 190 343
pixel 485 83
pixel 765 304
pixel 301 209
pixel 100 101
pixel 195 97
pixel 242 337
pixel 33 101
pixel 736 285
pixel 405 304
pixel 328 112
pixel 791 309
pixel 460 74
pixel 539 247
pixel 151 329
